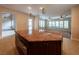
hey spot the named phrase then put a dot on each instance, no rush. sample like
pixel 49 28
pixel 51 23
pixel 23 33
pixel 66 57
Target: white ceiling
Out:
pixel 51 9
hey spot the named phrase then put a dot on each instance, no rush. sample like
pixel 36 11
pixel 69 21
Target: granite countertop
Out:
pixel 40 36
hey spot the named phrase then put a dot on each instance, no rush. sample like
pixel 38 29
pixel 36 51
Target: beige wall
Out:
pixel 21 21
pixel 36 23
pixel 75 23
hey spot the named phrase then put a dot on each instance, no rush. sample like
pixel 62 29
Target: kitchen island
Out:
pixel 38 43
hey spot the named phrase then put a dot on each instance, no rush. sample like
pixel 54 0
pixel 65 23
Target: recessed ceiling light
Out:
pixel 29 7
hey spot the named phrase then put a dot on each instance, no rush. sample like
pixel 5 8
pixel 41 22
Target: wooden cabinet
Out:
pixel 45 48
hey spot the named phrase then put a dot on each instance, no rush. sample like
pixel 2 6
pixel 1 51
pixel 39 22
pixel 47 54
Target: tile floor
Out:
pixel 70 47
pixel 7 46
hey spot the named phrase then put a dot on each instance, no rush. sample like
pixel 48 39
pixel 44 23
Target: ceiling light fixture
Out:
pixel 29 9
pixel 61 17
pixel 43 13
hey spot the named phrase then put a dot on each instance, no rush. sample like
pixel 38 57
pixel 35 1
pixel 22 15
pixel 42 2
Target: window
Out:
pixel 53 23
pixel 57 24
pixel 61 24
pixel 30 24
pixel 50 24
pixel 8 22
pixel 66 24
pixel 42 23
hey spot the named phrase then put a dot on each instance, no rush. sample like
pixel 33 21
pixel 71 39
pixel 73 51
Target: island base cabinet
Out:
pixel 26 47
pixel 44 48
